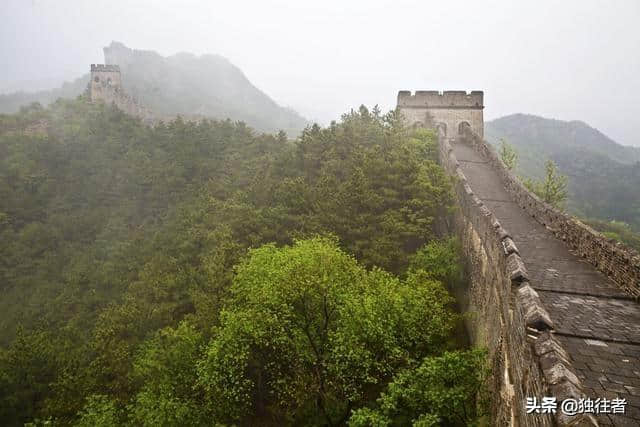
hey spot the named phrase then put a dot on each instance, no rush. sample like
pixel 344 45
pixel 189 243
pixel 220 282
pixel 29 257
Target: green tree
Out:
pixel 310 334
pixel 508 154
pixel 617 230
pixel 441 391
pixel 553 190
pixel 119 246
pixel 440 259
pixel 100 410
pixel 367 180
pixel 166 366
pixel 26 370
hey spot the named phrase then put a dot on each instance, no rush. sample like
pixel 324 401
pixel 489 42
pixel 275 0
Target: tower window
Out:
pixel 96 79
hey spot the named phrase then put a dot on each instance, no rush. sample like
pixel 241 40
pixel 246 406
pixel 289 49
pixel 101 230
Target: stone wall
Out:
pixel 448 108
pixel 617 261
pixel 445 99
pixel 105 79
pixel 506 315
pixel 106 86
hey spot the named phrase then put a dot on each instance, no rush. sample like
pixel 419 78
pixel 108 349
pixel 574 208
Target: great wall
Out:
pixel 554 302
pixel 106 86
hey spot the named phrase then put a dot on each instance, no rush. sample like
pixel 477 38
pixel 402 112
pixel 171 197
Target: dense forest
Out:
pixel 202 273
pixel 186 84
pixel 603 176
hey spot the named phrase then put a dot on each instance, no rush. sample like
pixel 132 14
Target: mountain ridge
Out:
pixel 184 84
pixel 575 133
pixel 603 175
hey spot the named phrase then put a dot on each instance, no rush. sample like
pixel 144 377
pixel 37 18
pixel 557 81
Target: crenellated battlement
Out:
pixel 106 86
pixel 105 68
pixel 441 99
pixel 105 83
pixel 449 109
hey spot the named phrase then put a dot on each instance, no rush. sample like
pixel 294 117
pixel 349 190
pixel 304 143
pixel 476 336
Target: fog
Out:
pixel 570 60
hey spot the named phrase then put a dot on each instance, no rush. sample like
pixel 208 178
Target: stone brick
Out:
pixel 566 390
pixel 509 314
pixel 581 420
pixel 106 86
pixel 449 110
pixel 621 263
pixel 558 373
pixel 509 246
pixel 515 268
pixel 535 315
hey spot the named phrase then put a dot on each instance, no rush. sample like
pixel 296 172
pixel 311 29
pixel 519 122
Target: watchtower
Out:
pixel 448 110
pixel 106 82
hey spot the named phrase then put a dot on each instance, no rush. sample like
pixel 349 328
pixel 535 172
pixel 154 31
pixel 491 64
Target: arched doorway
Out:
pixel 461 127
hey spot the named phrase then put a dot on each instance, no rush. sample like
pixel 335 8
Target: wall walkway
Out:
pixel 595 320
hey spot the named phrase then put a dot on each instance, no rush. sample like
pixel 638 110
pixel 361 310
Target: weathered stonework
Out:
pixel 506 314
pixel 448 110
pixel 553 324
pixel 106 86
pixel 617 261
pixel 105 81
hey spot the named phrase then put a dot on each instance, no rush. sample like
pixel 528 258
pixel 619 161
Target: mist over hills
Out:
pixel 11 102
pixel 186 84
pixel 604 176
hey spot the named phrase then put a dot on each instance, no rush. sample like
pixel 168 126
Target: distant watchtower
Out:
pixel 448 110
pixel 106 83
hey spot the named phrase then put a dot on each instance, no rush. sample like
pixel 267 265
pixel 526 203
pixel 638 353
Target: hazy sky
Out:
pixel 561 59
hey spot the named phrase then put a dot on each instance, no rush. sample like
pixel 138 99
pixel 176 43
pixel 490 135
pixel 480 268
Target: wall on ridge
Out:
pixel 106 86
pixel 616 260
pixel 506 316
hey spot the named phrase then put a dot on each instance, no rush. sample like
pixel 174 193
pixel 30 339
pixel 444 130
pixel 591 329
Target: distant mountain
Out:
pixel 194 86
pixel 11 102
pixel 604 176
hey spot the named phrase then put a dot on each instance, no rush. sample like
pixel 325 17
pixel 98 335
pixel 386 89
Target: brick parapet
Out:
pixel 448 109
pixel 616 260
pixel 436 99
pixel 105 68
pixel 527 360
pixel 108 89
